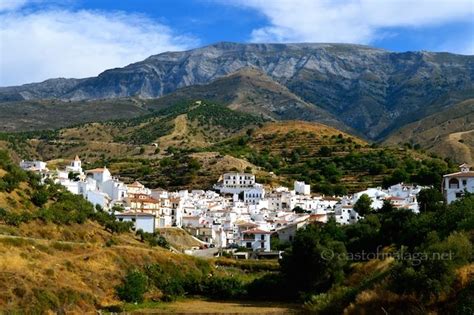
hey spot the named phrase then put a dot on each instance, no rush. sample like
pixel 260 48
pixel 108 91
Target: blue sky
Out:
pixel 41 39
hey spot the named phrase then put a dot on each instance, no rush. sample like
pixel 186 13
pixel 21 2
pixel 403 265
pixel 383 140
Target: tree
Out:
pixel 432 275
pixel 387 207
pixel 298 209
pixel 40 197
pixel 313 264
pixel 73 176
pixel 430 200
pixel 325 151
pixel 363 205
pixel 133 287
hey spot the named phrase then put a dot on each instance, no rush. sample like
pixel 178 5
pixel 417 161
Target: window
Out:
pixel 133 220
pixel 249 245
pixel 262 245
pixel 262 237
pixel 464 182
pixel 453 183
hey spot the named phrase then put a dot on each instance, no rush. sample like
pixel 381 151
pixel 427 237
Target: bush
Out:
pixel 269 287
pixel 133 288
pixel 40 197
pixel 153 239
pixel 224 287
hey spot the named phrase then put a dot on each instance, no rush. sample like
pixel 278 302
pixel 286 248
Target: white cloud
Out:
pixel 9 5
pixel 38 45
pixel 353 21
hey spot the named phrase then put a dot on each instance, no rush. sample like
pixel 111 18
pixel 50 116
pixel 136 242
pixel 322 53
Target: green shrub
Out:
pixel 134 286
pixel 224 288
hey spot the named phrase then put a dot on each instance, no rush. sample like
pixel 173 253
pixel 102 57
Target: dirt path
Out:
pixel 465 149
pixel 180 129
pixel 80 244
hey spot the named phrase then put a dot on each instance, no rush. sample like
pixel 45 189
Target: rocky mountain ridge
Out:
pixel 373 91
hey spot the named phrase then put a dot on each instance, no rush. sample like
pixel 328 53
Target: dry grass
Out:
pixel 178 238
pixel 319 130
pixel 74 276
pixel 441 132
pixel 198 306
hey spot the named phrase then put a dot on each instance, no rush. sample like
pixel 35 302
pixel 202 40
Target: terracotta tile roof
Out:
pixel 460 174
pixel 136 184
pixel 394 198
pixel 256 231
pixel 243 223
pixel 96 170
pixel 147 200
pixel 134 213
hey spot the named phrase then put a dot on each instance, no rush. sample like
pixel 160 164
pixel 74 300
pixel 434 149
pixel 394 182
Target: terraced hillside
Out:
pixel 191 144
pixel 189 124
pixel 332 161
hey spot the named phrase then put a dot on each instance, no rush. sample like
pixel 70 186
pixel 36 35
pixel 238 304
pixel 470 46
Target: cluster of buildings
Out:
pixel 239 211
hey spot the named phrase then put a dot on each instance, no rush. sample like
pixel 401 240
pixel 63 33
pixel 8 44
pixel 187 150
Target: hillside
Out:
pixel 252 91
pixel 189 145
pixel 187 124
pixel 371 90
pixel 57 255
pixel 51 114
pixel 332 161
pixel 449 133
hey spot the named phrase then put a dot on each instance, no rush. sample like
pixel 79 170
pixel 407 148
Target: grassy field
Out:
pixel 200 306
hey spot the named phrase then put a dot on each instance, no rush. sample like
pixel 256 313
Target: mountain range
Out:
pixel 369 91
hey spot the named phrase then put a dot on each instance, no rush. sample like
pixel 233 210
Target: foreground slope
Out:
pixel 57 254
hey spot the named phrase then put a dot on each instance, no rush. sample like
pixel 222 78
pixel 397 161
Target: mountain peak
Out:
pixel 371 90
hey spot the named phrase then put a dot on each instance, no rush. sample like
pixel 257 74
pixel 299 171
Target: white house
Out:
pixel 345 214
pixel 377 195
pixel 98 198
pixel 301 188
pixel 138 188
pixel 75 166
pixel 101 175
pixel 116 189
pixel 455 184
pixel 34 166
pixel 256 239
pixel 235 183
pixel 254 195
pixel 141 221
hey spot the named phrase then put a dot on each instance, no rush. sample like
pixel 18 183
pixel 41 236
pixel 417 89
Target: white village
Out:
pixel 238 212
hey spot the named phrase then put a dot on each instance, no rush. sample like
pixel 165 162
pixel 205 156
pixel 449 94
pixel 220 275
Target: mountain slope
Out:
pixel 449 133
pixel 373 91
pixel 52 114
pixel 252 91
